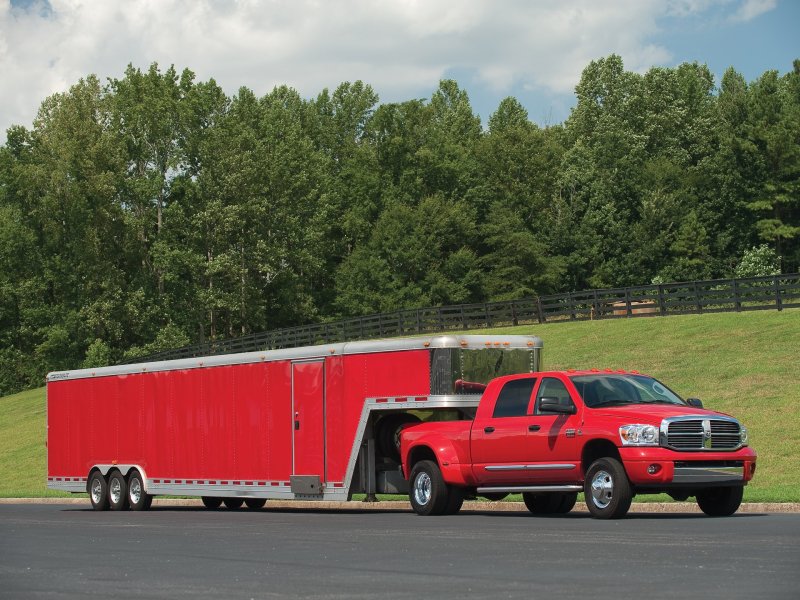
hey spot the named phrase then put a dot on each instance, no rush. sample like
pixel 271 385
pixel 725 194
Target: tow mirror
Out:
pixel 696 402
pixel 555 405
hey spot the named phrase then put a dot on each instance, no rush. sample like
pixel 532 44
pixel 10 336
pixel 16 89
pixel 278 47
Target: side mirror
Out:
pixel 696 402
pixel 554 405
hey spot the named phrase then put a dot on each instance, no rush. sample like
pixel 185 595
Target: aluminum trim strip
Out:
pixel 308 352
pixel 542 467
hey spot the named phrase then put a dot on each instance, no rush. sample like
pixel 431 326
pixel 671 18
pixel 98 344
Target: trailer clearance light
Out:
pixel 638 435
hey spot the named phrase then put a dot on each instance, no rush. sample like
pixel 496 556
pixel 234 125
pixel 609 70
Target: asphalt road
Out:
pixel 68 551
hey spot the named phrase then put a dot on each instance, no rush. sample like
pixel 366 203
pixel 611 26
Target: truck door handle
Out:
pixel 488 429
pixel 534 427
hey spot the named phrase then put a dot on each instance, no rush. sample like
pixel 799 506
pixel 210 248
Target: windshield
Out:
pixel 618 389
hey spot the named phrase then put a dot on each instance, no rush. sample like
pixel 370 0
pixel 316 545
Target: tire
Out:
pixel 455 500
pixel 255 503
pixel 494 497
pixel 233 502
pixel 138 499
pixel 607 489
pixel 720 502
pixel 387 434
pixel 542 504
pixel 553 503
pixel 98 491
pixel 117 491
pixel 211 502
pixel 427 490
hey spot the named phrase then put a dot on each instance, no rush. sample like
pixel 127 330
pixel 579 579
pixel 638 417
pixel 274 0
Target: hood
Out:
pixel 650 414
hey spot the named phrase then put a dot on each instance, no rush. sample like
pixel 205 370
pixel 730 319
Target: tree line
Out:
pixel 154 211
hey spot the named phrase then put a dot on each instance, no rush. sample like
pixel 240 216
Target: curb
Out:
pixel 401 506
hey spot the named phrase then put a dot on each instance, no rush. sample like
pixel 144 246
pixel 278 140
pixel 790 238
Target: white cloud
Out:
pixel 750 9
pixel 401 47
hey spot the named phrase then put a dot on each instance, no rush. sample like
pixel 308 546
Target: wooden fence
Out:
pixel 720 295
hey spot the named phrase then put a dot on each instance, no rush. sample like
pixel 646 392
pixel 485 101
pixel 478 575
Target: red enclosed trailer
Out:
pixel 319 422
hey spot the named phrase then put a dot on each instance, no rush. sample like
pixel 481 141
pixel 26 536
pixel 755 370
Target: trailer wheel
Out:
pixel 137 497
pixel 720 502
pixel 233 502
pixel 98 491
pixel 211 502
pixel 428 491
pixel 607 489
pixel 387 434
pixel 255 503
pixel 117 492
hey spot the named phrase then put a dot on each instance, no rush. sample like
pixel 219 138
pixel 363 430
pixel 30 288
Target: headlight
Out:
pixel 638 435
pixel 743 435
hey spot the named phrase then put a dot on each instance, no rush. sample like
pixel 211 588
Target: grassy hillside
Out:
pixel 743 364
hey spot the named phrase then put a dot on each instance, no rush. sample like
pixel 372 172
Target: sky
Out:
pixel 533 50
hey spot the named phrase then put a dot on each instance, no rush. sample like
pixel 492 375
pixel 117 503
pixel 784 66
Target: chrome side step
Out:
pixel 516 489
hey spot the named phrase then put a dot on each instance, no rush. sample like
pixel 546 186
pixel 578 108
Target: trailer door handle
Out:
pixel 488 429
pixel 296 425
pixel 534 427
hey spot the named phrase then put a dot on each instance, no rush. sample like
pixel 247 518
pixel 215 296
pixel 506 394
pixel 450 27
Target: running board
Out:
pixel 516 489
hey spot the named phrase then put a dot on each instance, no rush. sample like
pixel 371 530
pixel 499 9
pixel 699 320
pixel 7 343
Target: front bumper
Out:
pixel 660 467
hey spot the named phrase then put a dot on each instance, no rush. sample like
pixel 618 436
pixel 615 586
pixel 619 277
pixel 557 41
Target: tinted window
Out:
pixel 553 388
pixel 514 398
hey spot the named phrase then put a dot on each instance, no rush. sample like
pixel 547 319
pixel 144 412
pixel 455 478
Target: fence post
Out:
pixel 628 311
pixel 419 322
pixel 778 303
pixel 540 312
pixel 486 314
pixel 662 307
pixel 514 313
pixel 737 302
pixel 697 301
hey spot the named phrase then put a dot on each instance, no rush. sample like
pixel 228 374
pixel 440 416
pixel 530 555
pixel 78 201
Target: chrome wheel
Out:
pixel 602 489
pixel 97 490
pixel 115 490
pixel 422 489
pixel 135 490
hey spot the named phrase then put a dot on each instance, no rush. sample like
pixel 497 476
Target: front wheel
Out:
pixel 607 489
pixel 427 490
pixel 720 502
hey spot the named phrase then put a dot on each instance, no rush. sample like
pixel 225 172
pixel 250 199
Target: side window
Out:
pixel 553 388
pixel 514 398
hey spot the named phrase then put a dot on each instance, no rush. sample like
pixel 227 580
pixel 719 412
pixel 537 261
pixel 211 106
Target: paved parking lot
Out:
pixel 67 551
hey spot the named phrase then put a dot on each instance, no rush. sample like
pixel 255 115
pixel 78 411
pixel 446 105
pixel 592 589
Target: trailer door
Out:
pixel 308 409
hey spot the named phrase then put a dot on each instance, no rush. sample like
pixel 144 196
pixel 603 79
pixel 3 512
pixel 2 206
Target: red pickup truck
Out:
pixel 550 435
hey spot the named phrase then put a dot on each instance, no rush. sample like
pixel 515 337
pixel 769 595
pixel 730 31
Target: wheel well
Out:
pixel 420 453
pixel 597 449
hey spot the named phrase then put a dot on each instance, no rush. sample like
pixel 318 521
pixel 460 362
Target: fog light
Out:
pixel 653 469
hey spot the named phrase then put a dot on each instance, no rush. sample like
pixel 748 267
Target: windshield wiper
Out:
pixel 612 403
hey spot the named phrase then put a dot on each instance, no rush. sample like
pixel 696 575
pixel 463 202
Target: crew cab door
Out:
pixel 554 437
pixel 499 441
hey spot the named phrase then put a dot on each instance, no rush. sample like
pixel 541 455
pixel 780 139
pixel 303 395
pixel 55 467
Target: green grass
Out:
pixel 738 363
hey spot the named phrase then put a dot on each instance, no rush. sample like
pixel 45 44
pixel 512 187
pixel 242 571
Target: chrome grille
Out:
pixel 691 434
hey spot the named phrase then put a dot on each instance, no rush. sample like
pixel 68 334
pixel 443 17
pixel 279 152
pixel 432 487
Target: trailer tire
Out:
pixel 387 434
pixel 117 491
pixel 255 503
pixel 607 489
pixel 427 490
pixel 211 502
pixel 233 502
pixel 138 499
pixel 98 491
pixel 721 501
